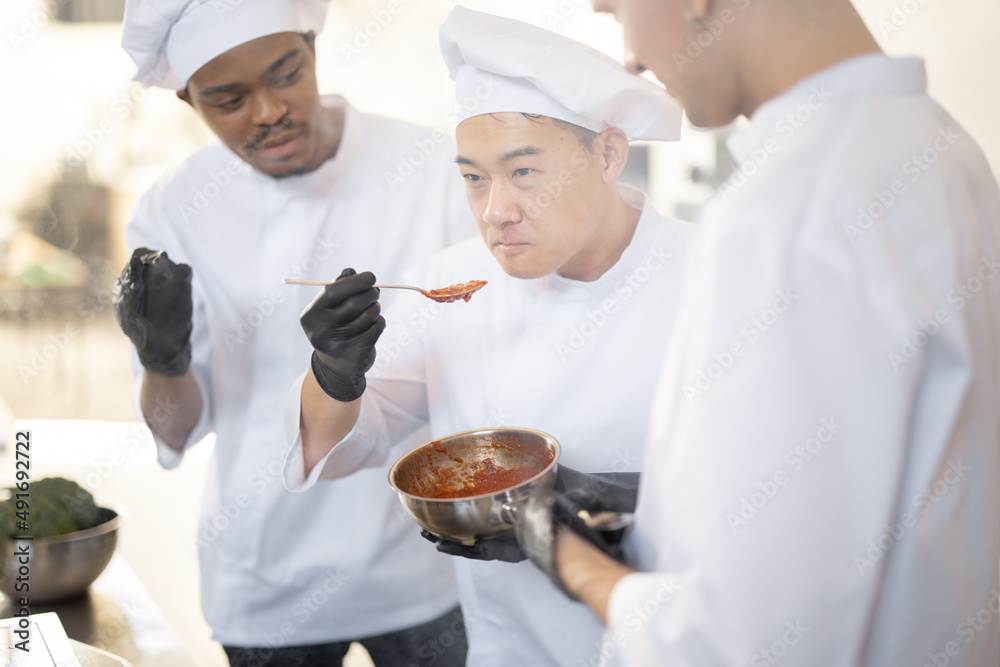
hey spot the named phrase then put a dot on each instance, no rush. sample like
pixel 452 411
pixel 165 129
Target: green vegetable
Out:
pixel 56 506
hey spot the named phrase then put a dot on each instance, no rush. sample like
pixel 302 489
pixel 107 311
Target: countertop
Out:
pixel 146 606
pixel 117 615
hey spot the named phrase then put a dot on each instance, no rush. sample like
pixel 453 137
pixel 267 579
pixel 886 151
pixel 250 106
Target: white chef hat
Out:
pixel 500 64
pixel 170 40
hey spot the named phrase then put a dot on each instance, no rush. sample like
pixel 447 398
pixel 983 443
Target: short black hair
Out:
pixel 584 136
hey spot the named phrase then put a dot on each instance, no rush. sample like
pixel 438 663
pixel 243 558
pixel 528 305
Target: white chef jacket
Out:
pixel 578 360
pixel 822 483
pixel 280 568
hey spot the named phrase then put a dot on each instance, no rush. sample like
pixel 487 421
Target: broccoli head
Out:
pixel 56 506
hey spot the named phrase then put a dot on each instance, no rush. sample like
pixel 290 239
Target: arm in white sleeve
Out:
pixel 810 459
pixel 393 406
pixel 149 229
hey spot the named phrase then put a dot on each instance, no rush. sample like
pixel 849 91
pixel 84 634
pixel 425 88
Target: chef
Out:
pixel 295 188
pixel 566 336
pixel 822 480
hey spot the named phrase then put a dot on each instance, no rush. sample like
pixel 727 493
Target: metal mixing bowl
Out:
pixel 467 519
pixel 62 566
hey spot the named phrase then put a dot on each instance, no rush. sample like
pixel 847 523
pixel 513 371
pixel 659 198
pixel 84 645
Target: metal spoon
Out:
pixel 442 295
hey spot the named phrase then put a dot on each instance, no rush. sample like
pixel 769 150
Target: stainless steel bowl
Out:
pixel 63 566
pixel 473 517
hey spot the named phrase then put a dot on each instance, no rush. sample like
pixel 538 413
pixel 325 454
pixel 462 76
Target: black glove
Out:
pixel 538 520
pixel 152 303
pixel 599 491
pixel 593 492
pixel 502 547
pixel 343 323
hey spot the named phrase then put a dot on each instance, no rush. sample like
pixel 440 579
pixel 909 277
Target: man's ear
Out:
pixel 184 96
pixel 612 146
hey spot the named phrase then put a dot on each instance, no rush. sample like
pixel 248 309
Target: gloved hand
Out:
pixel 343 323
pixel 502 547
pixel 538 522
pixel 599 491
pixel 152 303
pixel 593 492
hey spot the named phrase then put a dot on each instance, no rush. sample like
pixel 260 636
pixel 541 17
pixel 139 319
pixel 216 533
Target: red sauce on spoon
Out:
pixel 462 291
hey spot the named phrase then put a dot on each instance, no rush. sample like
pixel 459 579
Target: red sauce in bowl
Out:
pixel 488 475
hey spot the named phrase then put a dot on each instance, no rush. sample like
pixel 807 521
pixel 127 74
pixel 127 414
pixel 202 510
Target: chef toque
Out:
pixel 500 64
pixel 170 40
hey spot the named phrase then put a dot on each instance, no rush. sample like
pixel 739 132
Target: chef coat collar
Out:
pixel 873 73
pixel 639 252
pixel 319 181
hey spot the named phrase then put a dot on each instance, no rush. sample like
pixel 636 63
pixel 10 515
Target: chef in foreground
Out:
pixel 581 278
pixel 822 480
pixel 295 188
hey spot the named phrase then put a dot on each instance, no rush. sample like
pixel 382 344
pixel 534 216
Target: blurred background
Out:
pixel 84 142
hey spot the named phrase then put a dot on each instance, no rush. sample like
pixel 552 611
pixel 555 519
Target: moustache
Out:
pixel 251 146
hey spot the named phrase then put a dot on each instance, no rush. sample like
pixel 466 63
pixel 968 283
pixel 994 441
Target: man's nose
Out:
pixel 632 63
pixel 267 108
pixel 501 207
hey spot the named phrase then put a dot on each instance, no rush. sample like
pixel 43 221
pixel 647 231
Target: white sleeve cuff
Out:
pixel 168 457
pixel 359 448
pixel 634 602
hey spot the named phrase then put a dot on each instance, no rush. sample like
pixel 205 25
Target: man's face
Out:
pixel 659 38
pixel 536 192
pixel 260 98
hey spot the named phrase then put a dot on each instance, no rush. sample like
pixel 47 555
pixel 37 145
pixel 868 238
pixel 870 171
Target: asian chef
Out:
pixel 822 481
pixel 582 274
pixel 295 187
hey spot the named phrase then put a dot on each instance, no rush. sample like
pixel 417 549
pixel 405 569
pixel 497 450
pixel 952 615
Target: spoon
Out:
pixel 443 295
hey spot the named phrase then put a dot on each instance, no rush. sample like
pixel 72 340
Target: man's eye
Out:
pixel 230 104
pixel 288 78
pixel 472 178
pixel 523 172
